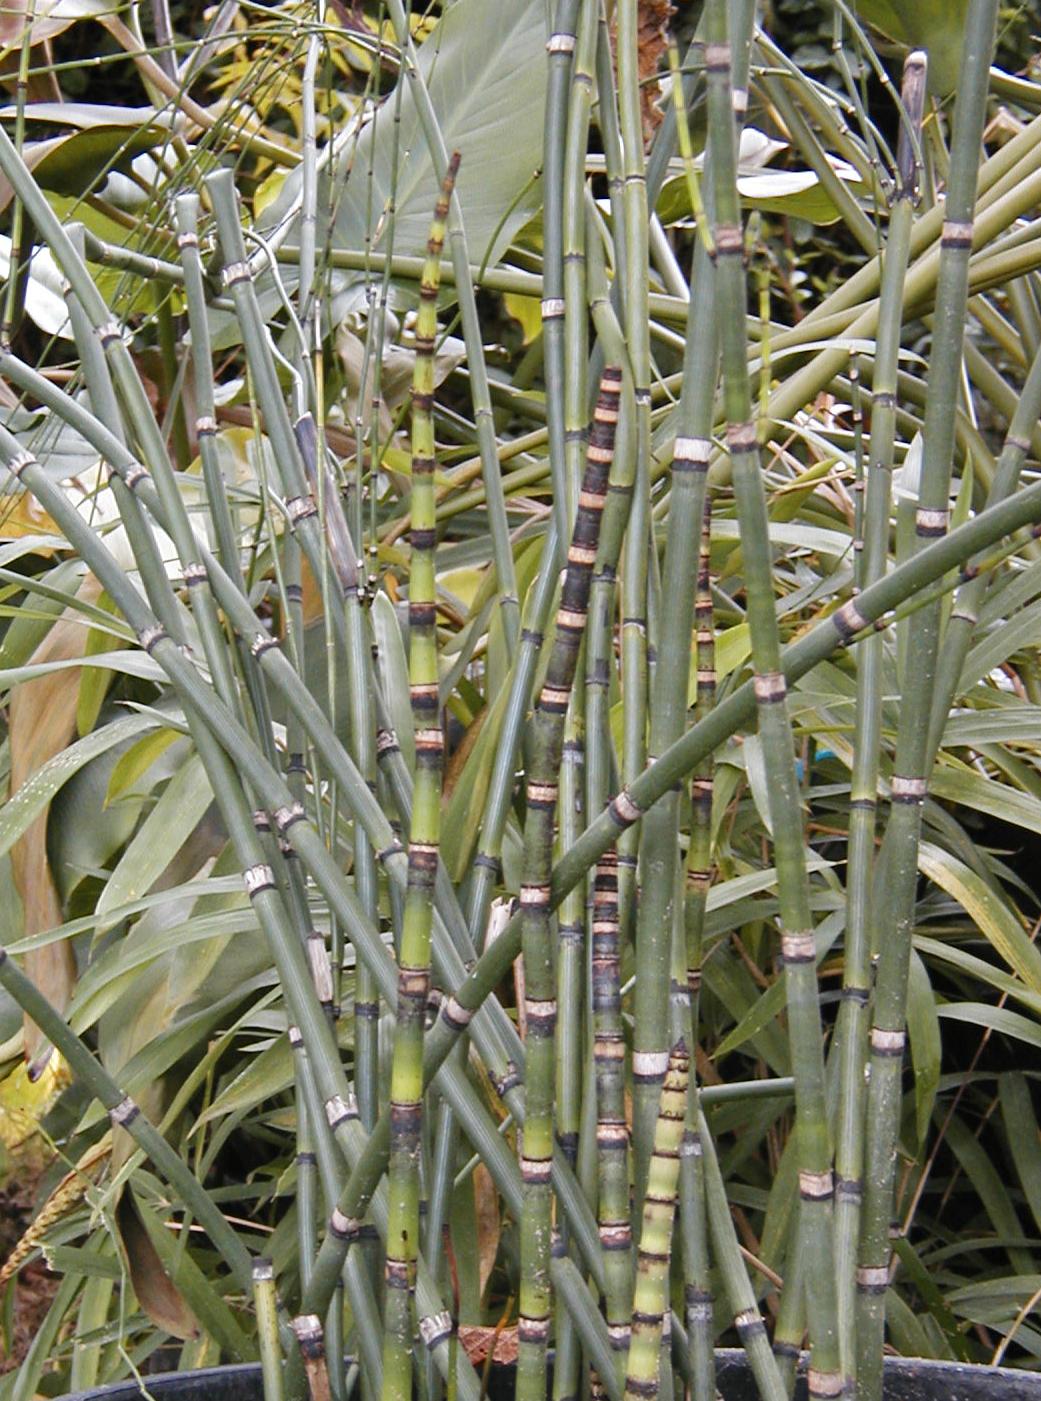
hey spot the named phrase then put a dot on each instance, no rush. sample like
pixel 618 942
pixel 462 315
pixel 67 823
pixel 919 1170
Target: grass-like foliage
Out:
pixel 521 593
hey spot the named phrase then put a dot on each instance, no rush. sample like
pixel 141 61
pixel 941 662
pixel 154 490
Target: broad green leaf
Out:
pixel 926 1044
pixel 68 164
pixel 165 830
pixel 17 815
pixel 1024 1136
pixel 94 681
pixel 137 760
pixel 485 66
pixel 938 26
pixel 1006 638
pixel 267 1074
pixel 975 791
pixel 135 663
pixel 990 912
pixel 987 1180
pixel 970 728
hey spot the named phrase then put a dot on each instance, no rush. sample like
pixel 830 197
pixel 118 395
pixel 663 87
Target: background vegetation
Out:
pixel 121 893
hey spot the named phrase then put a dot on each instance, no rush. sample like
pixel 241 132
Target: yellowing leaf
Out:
pixel 526 310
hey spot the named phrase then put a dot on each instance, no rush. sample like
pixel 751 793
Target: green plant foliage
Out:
pixel 742 769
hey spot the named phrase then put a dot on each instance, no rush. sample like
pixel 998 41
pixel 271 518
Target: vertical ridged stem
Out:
pixel 612 1130
pixel 266 1305
pixel 406 1076
pixel 576 316
pixel 651 1295
pixel 471 328
pixel 698 881
pixel 486 864
pixel 571 1031
pixel 910 772
pixel 571 953
pixel 748 1321
pixel 668 710
pixel 546 738
pixel 560 47
pixel 798 946
pixel 852 1024
pixel 650 1031
pixel 650 1035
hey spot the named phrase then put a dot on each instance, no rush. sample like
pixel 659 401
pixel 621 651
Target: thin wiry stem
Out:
pixel 910 774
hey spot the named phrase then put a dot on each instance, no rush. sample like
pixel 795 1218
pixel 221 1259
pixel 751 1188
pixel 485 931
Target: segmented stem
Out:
pixel 798 947
pixel 406 1077
pixel 612 1130
pixel 651 1297
pixel 910 770
pixel 546 750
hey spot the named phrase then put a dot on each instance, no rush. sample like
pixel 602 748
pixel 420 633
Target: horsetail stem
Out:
pixel 612 1130
pixel 798 947
pixel 910 774
pixel 545 752
pixel 406 1076
pixel 851 1029
pixel 651 1296
pixel 698 880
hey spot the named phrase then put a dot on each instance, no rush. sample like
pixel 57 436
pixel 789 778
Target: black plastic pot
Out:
pixel 907 1379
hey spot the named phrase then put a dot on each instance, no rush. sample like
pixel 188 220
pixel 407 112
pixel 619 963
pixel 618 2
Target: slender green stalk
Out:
pixel 851 1029
pixel 266 1305
pixel 483 415
pixel 612 1130
pixel 744 1310
pixel 486 864
pixel 698 880
pixel 546 745
pixel 651 1296
pixel 650 1032
pixel 406 1076
pixel 560 47
pixel 910 774
pixel 798 949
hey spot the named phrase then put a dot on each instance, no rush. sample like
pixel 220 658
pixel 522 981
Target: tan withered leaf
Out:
pixel 42 722
pixel 488 1224
pixel 156 1292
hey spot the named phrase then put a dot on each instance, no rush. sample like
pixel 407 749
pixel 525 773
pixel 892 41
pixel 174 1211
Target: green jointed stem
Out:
pixel 561 46
pixel 651 1294
pixel 851 1029
pixel 910 772
pixel 797 943
pixel 650 1005
pixel 545 753
pixel 406 1077
pixel 265 1303
pixel 612 1130
pixel 698 881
